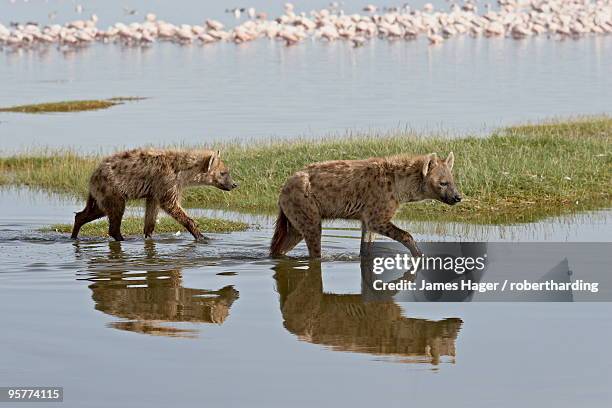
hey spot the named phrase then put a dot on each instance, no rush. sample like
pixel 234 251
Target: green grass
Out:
pixel 518 174
pixel 70 106
pixel 135 226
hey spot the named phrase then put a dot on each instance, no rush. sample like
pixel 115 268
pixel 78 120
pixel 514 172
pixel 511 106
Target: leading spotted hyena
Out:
pixel 159 176
pixel 368 190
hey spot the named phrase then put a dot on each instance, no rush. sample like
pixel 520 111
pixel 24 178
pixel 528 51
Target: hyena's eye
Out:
pixel 444 183
pixel 224 173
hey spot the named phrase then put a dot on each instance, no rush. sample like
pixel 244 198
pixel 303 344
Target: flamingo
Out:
pixel 514 18
pixel 434 38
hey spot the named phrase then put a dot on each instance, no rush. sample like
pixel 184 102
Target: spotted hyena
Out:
pixel 368 190
pixel 158 176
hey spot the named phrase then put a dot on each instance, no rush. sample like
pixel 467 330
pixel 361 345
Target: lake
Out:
pixel 170 321
pixel 264 90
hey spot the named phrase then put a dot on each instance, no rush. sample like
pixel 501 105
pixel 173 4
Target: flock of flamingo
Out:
pixel 511 18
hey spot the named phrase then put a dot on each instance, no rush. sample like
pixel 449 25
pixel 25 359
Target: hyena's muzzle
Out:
pixel 452 196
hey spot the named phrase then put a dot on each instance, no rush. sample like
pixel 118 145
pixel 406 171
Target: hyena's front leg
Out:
pixel 390 230
pixel 366 240
pixel 176 212
pixel 151 211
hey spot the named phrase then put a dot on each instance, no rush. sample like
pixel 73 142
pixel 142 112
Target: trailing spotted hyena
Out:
pixel 368 190
pixel 159 176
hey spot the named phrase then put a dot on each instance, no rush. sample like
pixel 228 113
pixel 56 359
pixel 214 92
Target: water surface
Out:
pixel 173 322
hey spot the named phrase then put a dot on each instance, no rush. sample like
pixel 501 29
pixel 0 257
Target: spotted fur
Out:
pixel 159 177
pixel 368 190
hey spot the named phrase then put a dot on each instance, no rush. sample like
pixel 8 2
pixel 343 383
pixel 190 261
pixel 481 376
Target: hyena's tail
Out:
pixel 285 237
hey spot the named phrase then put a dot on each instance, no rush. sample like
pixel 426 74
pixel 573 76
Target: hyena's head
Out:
pixel 438 182
pixel 215 173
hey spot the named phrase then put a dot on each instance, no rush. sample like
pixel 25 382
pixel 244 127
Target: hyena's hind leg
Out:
pixel 312 236
pixel 115 207
pixel 304 216
pixel 151 211
pixel 91 212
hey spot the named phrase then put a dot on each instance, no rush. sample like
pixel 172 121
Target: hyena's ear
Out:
pixel 213 161
pixel 429 163
pixel 450 161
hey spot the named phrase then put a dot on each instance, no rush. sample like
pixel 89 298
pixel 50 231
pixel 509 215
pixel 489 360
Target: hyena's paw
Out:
pixel 202 239
pixel 416 252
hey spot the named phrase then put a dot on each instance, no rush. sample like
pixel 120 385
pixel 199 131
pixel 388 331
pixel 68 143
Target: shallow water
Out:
pixel 262 90
pixel 170 321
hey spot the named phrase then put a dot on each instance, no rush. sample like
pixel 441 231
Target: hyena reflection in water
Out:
pixel 349 322
pixel 159 176
pixel 152 300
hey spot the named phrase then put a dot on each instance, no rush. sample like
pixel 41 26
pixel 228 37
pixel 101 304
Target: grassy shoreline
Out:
pixel 518 174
